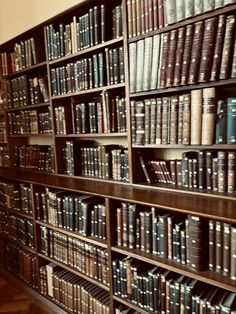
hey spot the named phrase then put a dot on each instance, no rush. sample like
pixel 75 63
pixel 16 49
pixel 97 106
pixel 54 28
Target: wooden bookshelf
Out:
pixel 74 53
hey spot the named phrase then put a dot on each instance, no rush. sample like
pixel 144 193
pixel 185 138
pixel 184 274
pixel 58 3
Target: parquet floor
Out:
pixel 13 301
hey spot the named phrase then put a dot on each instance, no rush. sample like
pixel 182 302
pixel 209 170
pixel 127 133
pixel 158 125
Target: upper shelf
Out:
pixel 190 20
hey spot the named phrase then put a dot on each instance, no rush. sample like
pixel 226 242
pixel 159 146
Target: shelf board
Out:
pixel 123 134
pixel 179 146
pixel 28 69
pixel 34 106
pixel 90 91
pixel 89 239
pixel 87 50
pixel 19 213
pixel 168 90
pixel 76 272
pixel 32 135
pixel 190 20
pixel 207 276
pixel 131 305
pixel 212 206
pixel 3 143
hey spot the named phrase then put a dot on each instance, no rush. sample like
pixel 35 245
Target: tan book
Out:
pixel 196 116
pixel 208 116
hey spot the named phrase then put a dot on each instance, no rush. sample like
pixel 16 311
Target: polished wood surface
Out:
pixel 13 301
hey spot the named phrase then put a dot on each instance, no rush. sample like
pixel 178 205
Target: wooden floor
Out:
pixel 12 301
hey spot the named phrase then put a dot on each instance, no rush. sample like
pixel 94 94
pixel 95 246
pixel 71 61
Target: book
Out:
pixel 196 117
pixel 231 116
pixel 221 122
pixel 155 61
pixel 171 58
pixel 186 54
pixel 207 49
pixel 225 68
pixel 196 52
pixel 147 65
pixel 208 116
pixel 132 66
pixel 170 12
pixel 179 56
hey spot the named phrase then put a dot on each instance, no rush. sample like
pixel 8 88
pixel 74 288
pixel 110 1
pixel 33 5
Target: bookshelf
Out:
pixel 92 196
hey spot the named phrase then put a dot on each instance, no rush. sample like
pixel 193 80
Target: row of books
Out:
pixel 82 32
pixel 105 162
pixel 149 15
pixel 3 132
pixel 38 157
pixel 159 290
pixel 189 119
pixel 81 213
pixel 72 292
pixel 199 52
pixel 26 91
pixel 87 258
pixel 176 11
pixel 22 229
pixel 26 53
pixel 96 71
pixel 189 240
pixel 211 170
pixel 30 122
pixel 3 221
pixel 16 196
pixel 22 263
pixel 108 116
pixel 4 157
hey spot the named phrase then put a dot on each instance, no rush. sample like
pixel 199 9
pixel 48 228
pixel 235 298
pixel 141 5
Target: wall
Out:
pixel 16 16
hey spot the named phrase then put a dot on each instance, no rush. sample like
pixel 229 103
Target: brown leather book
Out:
pixel 196 52
pixel 207 49
pixel 208 116
pixel 186 54
pixel 231 172
pixel 134 18
pixel 155 15
pixel 138 17
pixel 164 59
pixel 160 13
pixel 219 245
pixel 186 119
pixel 174 105
pixel 212 244
pixel 226 60
pixel 179 56
pixel 129 14
pixel 222 171
pixel 226 249
pixel 171 58
pixel 218 48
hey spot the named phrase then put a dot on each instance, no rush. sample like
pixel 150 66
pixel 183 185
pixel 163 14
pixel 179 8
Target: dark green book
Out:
pixel 231 120
pixel 221 122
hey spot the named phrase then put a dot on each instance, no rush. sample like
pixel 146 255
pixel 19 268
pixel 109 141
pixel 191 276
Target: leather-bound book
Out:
pixel 212 244
pixel 231 120
pixel 233 253
pixel 196 116
pixel 207 49
pixel 222 171
pixel 129 17
pixel 171 58
pixel 174 105
pixel 221 122
pixel 226 249
pixel 160 10
pixel 198 7
pixel 164 59
pixel 208 116
pixel 186 119
pixel 226 60
pixel 196 52
pixel 218 48
pixel 186 54
pixel 179 56
pixel 155 61
pixel 180 10
pixel 231 177
pixel 170 12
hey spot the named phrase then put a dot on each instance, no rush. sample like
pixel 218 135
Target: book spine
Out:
pixel 222 171
pixel 148 48
pixel 231 173
pixel 226 60
pixel 208 116
pixel 164 59
pixel 186 119
pixel 179 56
pixel 231 120
pixel 139 65
pixel 207 49
pixel 174 102
pixel 170 12
pixel 198 7
pixel 171 58
pixel 196 52
pixel 186 54
pixel 221 122
pixel 189 8
pixel 196 117
pixel 132 66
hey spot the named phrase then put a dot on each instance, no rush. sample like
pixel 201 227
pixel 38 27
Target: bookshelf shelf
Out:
pixel 179 146
pixel 19 213
pixel 35 106
pixel 89 239
pixel 26 70
pixel 141 206
pixel 87 50
pixel 91 91
pixel 211 277
pixel 171 90
pixel 91 135
pixel 187 21
pixel 93 281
